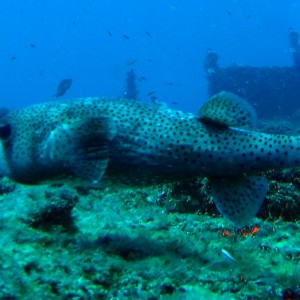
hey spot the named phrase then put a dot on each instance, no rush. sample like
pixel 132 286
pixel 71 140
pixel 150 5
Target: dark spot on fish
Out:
pixel 109 33
pixel 63 86
pixel 126 37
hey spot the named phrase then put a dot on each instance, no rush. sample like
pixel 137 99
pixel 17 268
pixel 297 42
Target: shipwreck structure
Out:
pixel 273 91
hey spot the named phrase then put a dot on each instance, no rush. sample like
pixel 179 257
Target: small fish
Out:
pixel 109 33
pixel 173 102
pixel 228 256
pixel 148 33
pixel 63 86
pixel 33 45
pixel 142 78
pixel 151 93
pixel 126 37
pixel 170 83
pixel 131 62
pixel 3 111
pixel 228 12
pixel 13 58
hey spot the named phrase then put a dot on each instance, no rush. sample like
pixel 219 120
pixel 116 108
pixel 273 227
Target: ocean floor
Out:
pixel 164 242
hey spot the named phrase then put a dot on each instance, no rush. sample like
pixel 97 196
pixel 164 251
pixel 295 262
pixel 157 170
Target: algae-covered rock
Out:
pixel 159 242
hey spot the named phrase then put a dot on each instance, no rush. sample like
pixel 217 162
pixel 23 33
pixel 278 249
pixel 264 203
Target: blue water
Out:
pixel 43 42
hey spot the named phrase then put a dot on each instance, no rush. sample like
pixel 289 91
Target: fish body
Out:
pixel 136 143
pixel 63 86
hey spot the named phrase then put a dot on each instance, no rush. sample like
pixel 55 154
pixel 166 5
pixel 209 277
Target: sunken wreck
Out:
pixel 273 91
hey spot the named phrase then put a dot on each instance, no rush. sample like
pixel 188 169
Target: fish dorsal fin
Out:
pixel 229 110
pixel 239 198
pixel 82 146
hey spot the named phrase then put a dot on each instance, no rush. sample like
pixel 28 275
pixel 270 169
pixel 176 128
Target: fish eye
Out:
pixel 5 131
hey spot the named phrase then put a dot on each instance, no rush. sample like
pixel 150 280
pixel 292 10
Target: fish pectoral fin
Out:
pixel 239 198
pixel 90 149
pixel 82 146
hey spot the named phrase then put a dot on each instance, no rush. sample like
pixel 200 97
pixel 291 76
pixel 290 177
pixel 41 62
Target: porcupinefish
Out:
pixel 128 140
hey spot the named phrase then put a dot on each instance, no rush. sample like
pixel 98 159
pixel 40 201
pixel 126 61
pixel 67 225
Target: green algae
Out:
pixel 161 242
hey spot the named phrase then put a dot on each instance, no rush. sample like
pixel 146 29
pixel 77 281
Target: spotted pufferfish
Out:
pixel 136 143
